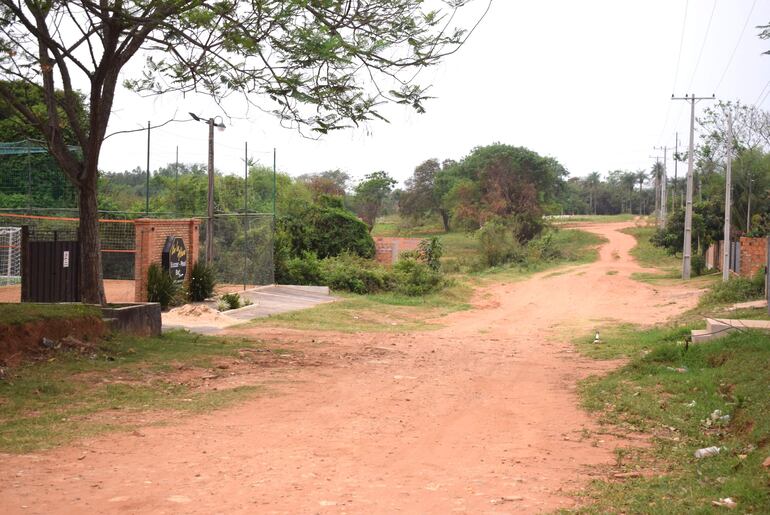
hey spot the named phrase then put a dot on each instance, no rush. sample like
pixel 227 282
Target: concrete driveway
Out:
pixel 266 301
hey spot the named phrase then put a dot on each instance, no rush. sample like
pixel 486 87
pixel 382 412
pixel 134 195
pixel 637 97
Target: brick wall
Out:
pixel 388 249
pixel 150 237
pixel 753 255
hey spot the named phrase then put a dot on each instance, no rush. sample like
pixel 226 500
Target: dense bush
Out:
pixel 303 270
pixel 499 244
pixel 202 282
pixel 415 277
pixel 352 273
pixel 161 288
pixel 326 230
pixel 544 249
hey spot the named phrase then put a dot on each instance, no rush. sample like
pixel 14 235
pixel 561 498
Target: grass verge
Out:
pixel 24 313
pixel 46 404
pixel 382 312
pixel 671 392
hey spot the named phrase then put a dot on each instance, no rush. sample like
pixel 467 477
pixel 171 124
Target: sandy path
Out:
pixel 478 417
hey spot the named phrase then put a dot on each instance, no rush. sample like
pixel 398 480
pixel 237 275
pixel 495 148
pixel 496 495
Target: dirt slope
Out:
pixel 479 417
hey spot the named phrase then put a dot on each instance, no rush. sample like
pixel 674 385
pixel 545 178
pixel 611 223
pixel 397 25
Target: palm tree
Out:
pixel 593 180
pixel 640 176
pixel 629 181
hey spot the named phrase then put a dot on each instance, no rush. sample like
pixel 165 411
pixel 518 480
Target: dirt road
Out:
pixel 478 417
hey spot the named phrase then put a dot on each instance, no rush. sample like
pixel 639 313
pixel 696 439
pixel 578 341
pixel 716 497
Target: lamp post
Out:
pixel 211 122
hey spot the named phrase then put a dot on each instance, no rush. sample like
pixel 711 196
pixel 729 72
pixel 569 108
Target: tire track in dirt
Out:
pixel 479 417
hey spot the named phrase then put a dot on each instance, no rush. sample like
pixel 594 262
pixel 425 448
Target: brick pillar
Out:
pixel 144 232
pixel 151 235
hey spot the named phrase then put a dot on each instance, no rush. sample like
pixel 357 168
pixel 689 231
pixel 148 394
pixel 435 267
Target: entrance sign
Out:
pixel 174 258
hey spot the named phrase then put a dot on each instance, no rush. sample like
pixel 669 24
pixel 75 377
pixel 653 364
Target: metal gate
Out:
pixel 50 271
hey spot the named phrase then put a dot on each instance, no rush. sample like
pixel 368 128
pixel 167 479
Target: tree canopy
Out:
pixel 323 64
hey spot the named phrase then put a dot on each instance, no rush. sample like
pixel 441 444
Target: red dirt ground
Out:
pixel 478 417
pixel 116 291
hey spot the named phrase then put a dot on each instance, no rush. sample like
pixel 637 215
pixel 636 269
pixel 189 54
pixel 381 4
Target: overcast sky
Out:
pixel 588 83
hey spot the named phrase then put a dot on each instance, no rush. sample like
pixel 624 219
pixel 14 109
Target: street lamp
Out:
pixel 211 122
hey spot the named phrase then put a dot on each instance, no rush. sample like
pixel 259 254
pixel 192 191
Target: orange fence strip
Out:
pixel 40 217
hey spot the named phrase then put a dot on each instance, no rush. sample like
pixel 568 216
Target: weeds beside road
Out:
pixel 685 397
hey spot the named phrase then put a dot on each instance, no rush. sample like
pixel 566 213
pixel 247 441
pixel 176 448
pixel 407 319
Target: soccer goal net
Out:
pixel 10 255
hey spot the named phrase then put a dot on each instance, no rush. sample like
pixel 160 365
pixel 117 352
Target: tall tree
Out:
pixel 321 64
pixel 370 195
pixel 593 180
pixel 502 181
pixel 640 177
pixel 330 182
pixel 629 181
pixel 423 196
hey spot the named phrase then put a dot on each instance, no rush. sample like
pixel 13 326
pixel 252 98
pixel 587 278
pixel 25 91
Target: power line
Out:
pixel 700 55
pixel 756 102
pixel 761 102
pixel 676 70
pixel 703 45
pixel 681 44
pixel 737 44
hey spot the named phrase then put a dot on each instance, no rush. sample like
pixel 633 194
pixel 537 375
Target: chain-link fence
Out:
pixel 116 234
pixel 243 248
pixel 31 178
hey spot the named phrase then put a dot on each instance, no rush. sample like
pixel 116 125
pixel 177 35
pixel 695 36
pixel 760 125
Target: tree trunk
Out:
pixel 91 284
pixel 445 220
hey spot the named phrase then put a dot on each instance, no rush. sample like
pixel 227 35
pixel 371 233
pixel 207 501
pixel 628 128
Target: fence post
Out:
pixel 767 274
pixel 24 272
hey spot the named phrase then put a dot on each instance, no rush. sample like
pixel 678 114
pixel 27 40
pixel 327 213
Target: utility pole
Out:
pixel 176 183
pixel 676 169
pixel 663 189
pixel 657 187
pixel 275 183
pixel 687 247
pixel 245 209
pixel 147 182
pixel 728 194
pixel 748 208
pixel 211 122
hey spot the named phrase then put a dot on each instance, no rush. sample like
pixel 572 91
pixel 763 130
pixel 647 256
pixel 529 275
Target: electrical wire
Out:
pixel 703 45
pixel 737 44
pixel 697 62
pixel 761 93
pixel 676 71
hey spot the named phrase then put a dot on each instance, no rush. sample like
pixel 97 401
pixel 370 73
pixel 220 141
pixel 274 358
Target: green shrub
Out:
pixel 737 289
pixel 231 300
pixel 431 250
pixel 161 288
pixel 698 264
pixel 303 270
pixel 544 249
pixel 414 277
pixel 499 244
pixel 327 232
pixel 202 282
pixel 352 273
